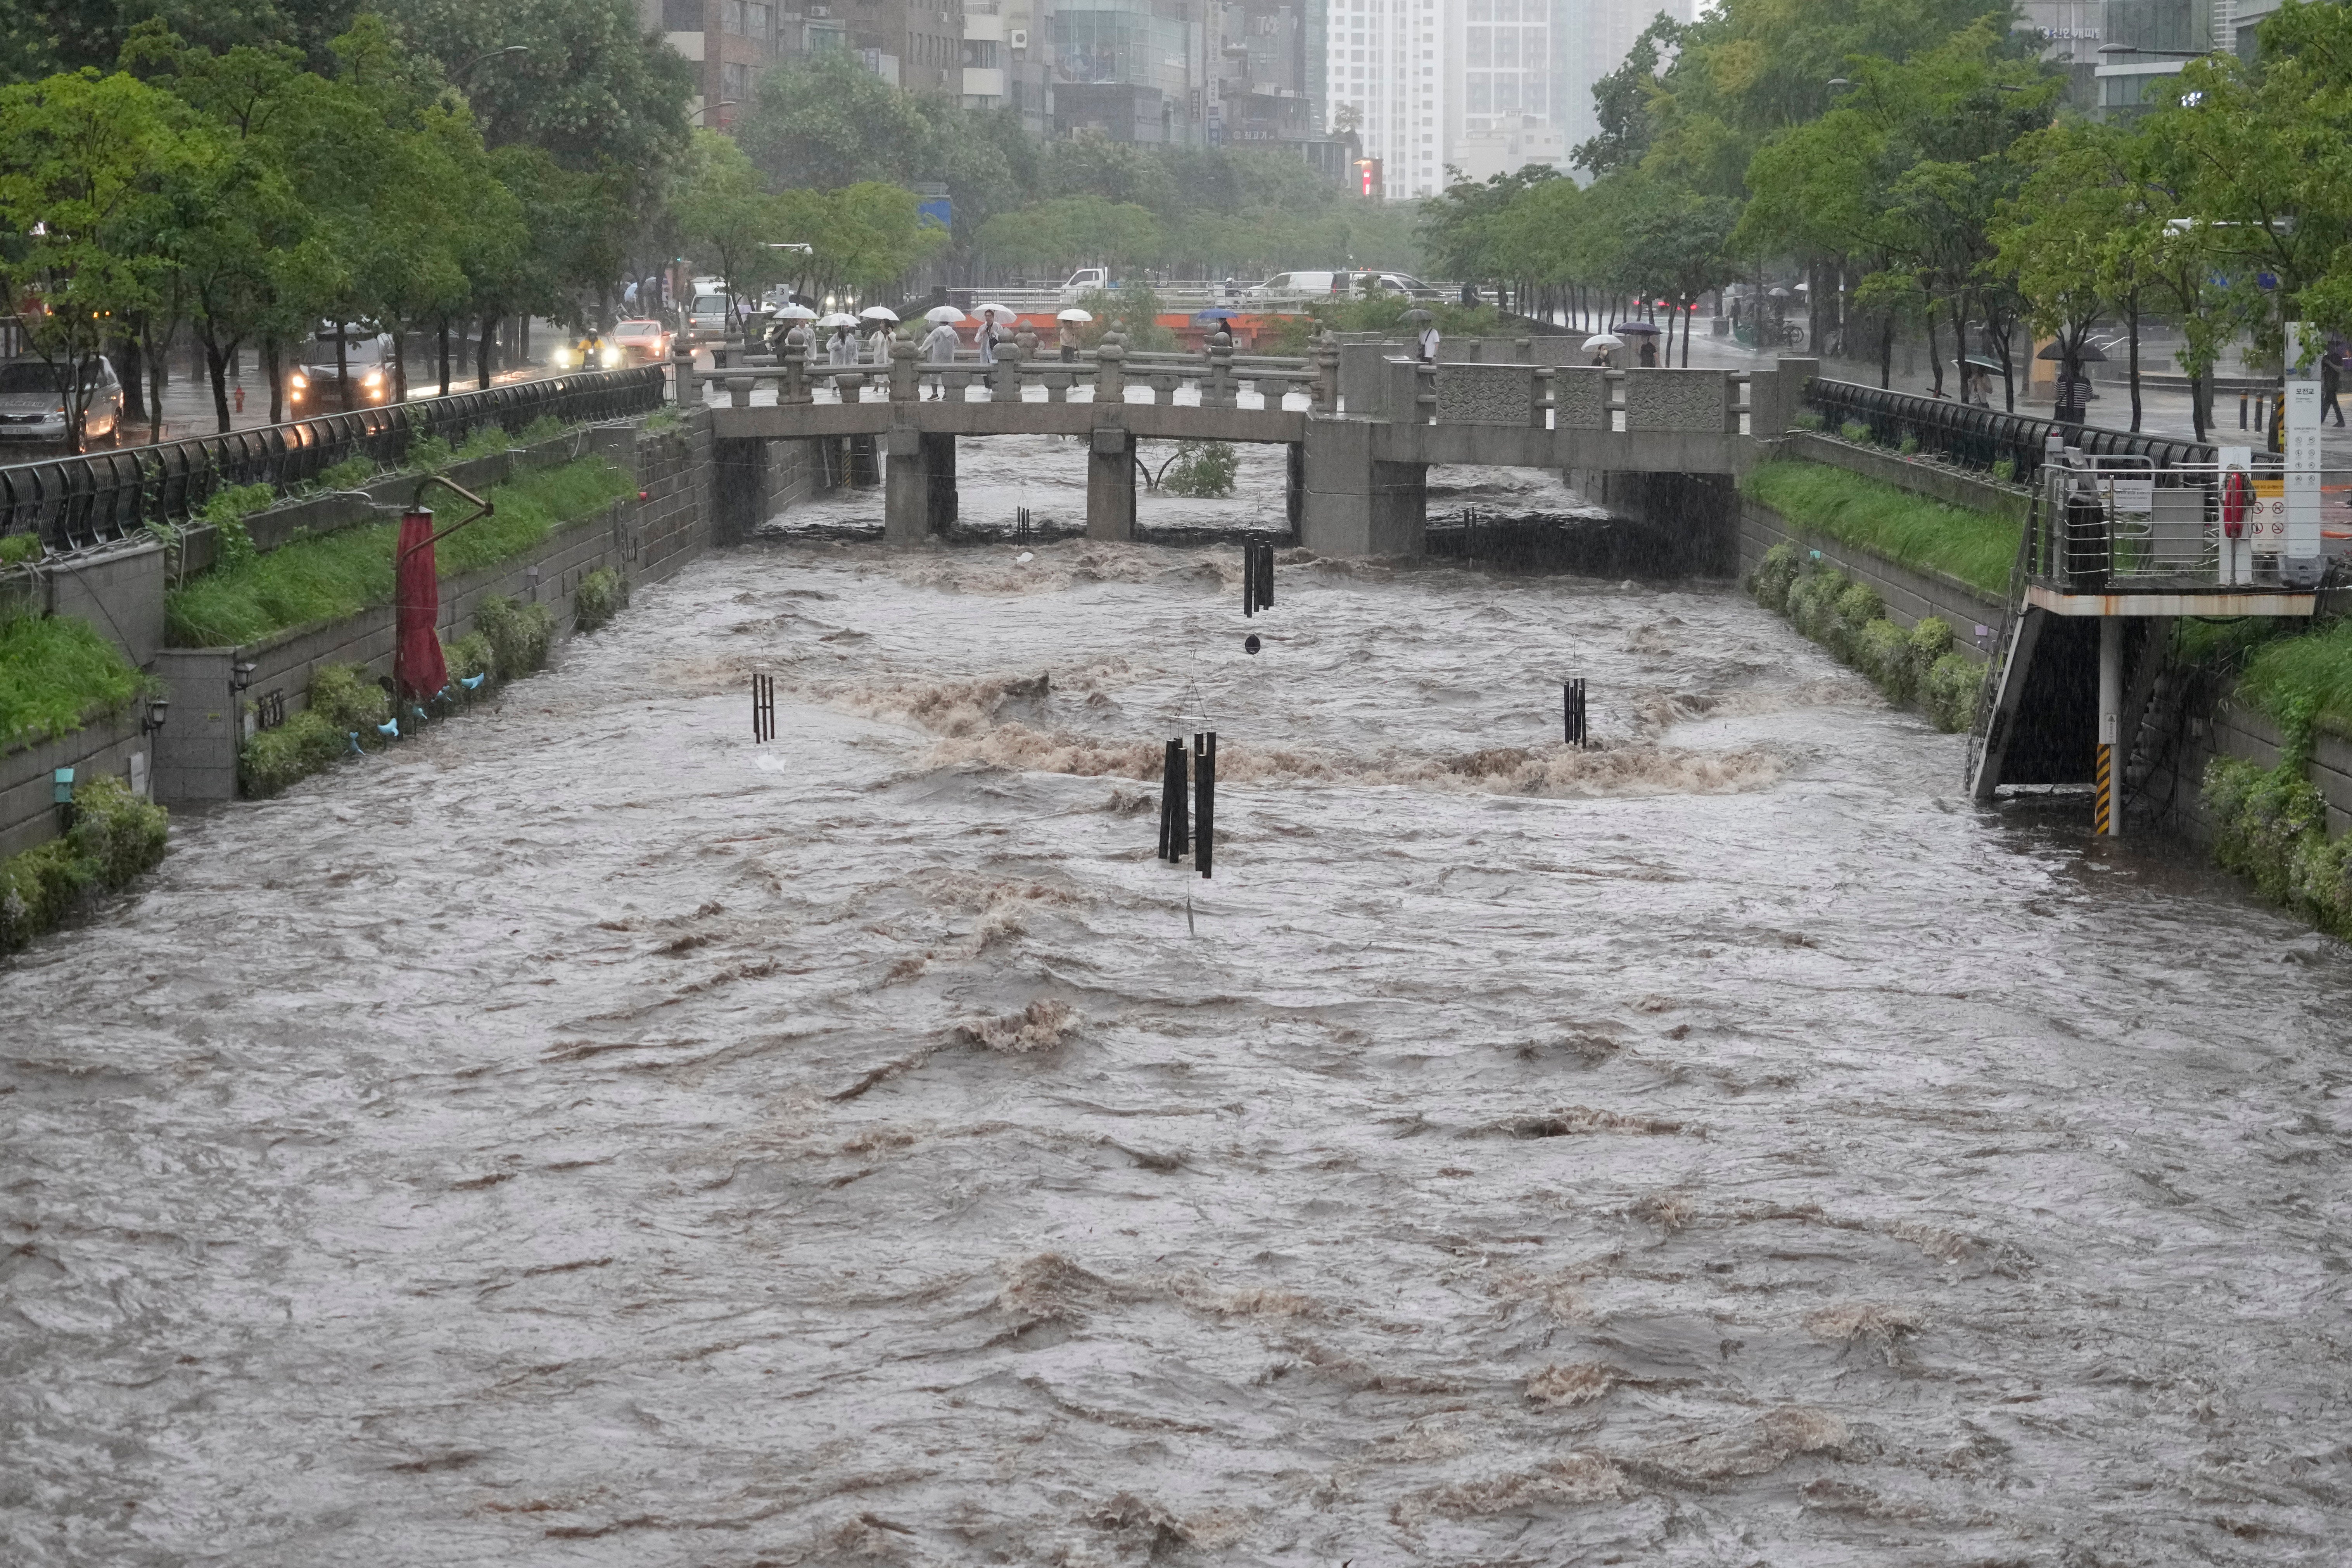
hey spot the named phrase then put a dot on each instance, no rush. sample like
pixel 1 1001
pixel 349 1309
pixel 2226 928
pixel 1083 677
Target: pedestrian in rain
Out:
pixel 2331 381
pixel 878 344
pixel 843 349
pixel 1429 341
pixel 800 339
pixel 1649 354
pixel 629 298
pixel 985 340
pixel 939 348
pixel 1068 339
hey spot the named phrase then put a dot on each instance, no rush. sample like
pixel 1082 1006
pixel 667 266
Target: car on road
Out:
pixel 640 340
pixel 709 317
pixel 32 402
pixel 1296 285
pixel 361 378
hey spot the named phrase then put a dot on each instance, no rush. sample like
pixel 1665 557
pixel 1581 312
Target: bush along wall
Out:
pixel 349 710
pixel 2270 824
pixel 1916 667
pixel 115 836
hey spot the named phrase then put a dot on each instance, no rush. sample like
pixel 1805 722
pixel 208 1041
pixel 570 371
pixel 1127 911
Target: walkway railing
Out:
pixel 1982 437
pixel 2121 525
pixel 75 502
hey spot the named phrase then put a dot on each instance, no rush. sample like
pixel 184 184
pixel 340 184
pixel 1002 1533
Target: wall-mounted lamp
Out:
pixel 240 675
pixel 158 709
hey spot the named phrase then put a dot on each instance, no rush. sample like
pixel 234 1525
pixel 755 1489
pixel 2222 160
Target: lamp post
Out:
pixel 460 74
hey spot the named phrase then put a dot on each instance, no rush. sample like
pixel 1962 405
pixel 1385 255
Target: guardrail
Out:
pixel 1982 437
pixel 2121 525
pixel 78 501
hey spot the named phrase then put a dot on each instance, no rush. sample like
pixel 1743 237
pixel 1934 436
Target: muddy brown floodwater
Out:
pixel 582 1136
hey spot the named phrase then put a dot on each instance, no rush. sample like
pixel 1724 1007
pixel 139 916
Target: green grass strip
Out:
pixel 2306 677
pixel 333 575
pixel 1915 530
pixel 57 674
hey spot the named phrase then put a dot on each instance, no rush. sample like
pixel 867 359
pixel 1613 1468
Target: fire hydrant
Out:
pixel 239 394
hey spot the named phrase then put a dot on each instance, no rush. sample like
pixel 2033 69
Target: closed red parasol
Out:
pixel 418 670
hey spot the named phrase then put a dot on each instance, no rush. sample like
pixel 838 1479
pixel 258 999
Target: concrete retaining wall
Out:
pixel 646 539
pixel 1911 594
pixel 27 812
pixel 1975 491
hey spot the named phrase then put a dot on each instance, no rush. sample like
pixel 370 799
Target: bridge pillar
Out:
pixel 920 498
pixel 1110 483
pixel 1352 505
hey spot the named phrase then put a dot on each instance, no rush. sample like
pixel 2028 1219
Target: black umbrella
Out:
pixel 1978 361
pixel 1649 327
pixel 2087 354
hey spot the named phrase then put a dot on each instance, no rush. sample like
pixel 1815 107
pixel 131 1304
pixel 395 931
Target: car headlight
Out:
pixel 611 356
pixel 298 380
pixel 373 378
pixel 562 358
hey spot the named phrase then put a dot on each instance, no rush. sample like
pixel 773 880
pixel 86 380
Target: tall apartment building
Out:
pixel 1384 69
pixel 918 47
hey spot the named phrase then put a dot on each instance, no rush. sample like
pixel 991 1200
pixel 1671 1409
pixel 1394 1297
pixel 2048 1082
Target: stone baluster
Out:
pixel 1326 374
pixel 1005 380
pixel 681 372
pixel 1110 370
pixel 905 373
pixel 739 391
pixel 795 387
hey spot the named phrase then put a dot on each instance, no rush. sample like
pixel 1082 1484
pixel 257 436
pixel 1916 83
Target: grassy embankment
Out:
pixel 333 575
pixel 1918 666
pixel 59 673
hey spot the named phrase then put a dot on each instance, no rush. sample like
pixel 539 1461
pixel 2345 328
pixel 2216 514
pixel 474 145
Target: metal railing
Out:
pixel 74 502
pixel 1982 437
pixel 2106 525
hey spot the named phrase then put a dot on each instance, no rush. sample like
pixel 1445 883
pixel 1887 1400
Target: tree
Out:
pixel 824 121
pixel 724 215
pixel 81 160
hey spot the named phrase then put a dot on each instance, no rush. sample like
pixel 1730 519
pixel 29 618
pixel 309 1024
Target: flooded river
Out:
pixel 583 1136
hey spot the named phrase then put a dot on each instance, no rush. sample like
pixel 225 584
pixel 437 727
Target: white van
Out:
pixel 1085 280
pixel 1290 284
pixel 1296 285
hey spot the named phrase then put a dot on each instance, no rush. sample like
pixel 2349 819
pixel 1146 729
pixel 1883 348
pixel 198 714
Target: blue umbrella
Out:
pixel 1216 313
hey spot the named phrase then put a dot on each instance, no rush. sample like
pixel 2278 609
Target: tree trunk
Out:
pixel 134 393
pixel 343 366
pixel 157 354
pixel 1935 354
pixel 1887 352
pixel 217 371
pixel 276 380
pixel 444 356
pixel 483 329
pixel 2131 312
pixel 2197 402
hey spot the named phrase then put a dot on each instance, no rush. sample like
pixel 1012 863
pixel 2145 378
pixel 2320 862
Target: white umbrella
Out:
pixel 1075 315
pixel 947 314
pixel 1604 341
pixel 1007 311
pixel 838 319
pixel 795 313
pixel 878 313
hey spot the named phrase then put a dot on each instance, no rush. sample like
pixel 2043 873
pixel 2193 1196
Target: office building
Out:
pixel 1384 76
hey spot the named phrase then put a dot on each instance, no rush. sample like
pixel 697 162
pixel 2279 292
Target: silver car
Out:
pixel 32 402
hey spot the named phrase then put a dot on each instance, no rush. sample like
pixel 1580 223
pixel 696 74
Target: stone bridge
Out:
pixel 1362 424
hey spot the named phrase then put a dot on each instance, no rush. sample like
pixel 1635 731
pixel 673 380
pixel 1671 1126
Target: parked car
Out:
pixel 32 402
pixel 361 378
pixel 641 339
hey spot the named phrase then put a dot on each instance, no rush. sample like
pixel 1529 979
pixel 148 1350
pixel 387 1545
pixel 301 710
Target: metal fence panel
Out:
pixel 75 502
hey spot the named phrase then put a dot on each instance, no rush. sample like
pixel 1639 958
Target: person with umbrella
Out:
pixel 797 336
pixel 878 342
pixel 1428 335
pixel 842 347
pixel 940 343
pixel 989 335
pixel 1601 345
pixel 2074 382
pixel 1067 337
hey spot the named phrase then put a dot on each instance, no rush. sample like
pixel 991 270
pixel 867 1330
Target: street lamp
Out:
pixel 494 54
pixel 714 108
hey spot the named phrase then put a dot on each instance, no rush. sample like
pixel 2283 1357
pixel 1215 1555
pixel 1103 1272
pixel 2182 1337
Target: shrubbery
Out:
pixel 1849 619
pixel 115 836
pixel 2270 824
pixel 517 635
pixel 599 596
pixel 1202 470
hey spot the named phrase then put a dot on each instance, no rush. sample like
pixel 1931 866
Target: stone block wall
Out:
pixel 1911 595
pixel 28 813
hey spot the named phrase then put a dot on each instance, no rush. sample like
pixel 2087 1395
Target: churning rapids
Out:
pixel 582 1136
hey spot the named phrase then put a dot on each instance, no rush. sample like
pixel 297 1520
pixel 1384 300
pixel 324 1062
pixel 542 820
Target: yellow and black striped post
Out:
pixel 2104 797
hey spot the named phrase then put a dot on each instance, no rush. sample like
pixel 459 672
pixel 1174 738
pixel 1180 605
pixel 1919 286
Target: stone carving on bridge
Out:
pixel 1688 400
pixel 1487 395
pixel 1579 397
